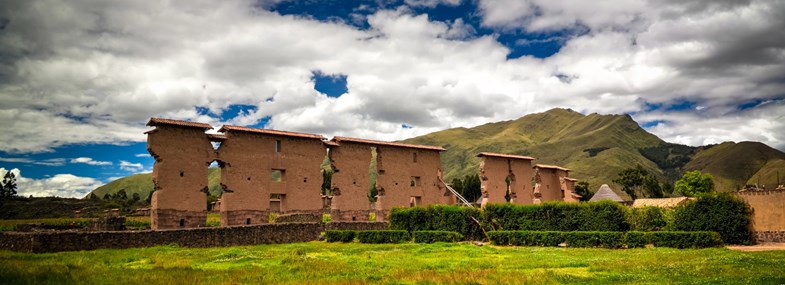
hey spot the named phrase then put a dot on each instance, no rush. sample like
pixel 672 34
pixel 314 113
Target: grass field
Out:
pixel 331 263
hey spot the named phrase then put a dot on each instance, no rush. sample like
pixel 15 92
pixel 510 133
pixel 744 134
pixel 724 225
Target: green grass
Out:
pixel 440 263
pixel 134 222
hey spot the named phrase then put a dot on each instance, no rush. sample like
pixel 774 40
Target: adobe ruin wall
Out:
pixel 496 169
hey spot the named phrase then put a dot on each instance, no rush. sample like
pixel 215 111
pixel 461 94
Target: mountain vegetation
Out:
pixel 598 148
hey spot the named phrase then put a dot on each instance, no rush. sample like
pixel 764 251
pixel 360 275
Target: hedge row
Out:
pixel 339 236
pixel 391 236
pixel 438 218
pixel 607 239
pixel 388 236
pixel 730 216
pixel 436 236
pixel 558 216
pixel 721 213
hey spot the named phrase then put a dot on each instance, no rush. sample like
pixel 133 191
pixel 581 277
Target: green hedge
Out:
pixel 438 218
pixel 635 239
pixel 648 218
pixel 528 238
pixel 684 239
pixel 436 236
pixel 339 236
pixel 387 236
pixel 722 213
pixel 594 239
pixel 558 216
pixel 607 239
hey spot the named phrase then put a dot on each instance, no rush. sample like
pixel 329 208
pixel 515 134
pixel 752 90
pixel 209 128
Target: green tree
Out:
pixel 471 187
pixel 327 178
pixel 8 189
pixel 639 183
pixel 135 197
pixel 92 196
pixel 121 195
pixel 695 184
pixel 582 188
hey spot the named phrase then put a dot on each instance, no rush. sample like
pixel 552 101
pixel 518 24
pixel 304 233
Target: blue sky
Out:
pixel 79 80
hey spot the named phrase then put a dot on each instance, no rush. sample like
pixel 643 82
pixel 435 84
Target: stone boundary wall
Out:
pixel 769 236
pixel 40 242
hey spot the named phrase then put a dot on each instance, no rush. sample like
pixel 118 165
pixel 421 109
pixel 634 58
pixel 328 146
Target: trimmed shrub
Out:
pixel 722 213
pixel 436 236
pixel 558 216
pixel 339 236
pixel 438 218
pixel 527 238
pixel 684 239
pixel 594 239
pixel 647 219
pixel 635 239
pixel 387 236
pixel 607 239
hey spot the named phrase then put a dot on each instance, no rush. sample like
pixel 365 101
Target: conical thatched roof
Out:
pixel 606 193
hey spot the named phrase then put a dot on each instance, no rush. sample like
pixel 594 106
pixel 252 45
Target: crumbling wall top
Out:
pixel 545 166
pixel 226 128
pixel 160 121
pixel 338 140
pixel 491 154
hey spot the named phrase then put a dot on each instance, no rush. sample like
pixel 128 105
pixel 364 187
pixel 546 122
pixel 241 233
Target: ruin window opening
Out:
pixel 277 145
pixel 508 193
pixel 414 157
pixel 216 145
pixel 414 181
pixel 248 221
pixel 373 172
pixel 182 173
pixel 182 222
pixel 275 202
pixel 277 175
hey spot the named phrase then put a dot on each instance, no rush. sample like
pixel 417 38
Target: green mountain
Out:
pixel 596 147
pixel 735 165
pixel 143 184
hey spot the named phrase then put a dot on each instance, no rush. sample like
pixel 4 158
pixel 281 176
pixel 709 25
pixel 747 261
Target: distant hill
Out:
pixel 596 147
pixel 143 184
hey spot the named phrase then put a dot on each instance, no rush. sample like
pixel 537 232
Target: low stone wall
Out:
pixel 356 226
pixel 201 237
pixel 39 242
pixel 769 236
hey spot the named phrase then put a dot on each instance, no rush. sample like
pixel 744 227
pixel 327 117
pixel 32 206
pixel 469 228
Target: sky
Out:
pixel 79 79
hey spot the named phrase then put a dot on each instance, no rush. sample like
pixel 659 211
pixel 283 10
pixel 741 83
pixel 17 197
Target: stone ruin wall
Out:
pixel 249 160
pixel 397 167
pixel 182 156
pixel 494 171
pixel 550 186
pixel 768 209
pixel 248 157
pixel 350 181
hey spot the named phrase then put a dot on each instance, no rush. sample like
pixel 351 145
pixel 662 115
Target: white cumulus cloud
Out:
pixel 60 185
pixel 90 161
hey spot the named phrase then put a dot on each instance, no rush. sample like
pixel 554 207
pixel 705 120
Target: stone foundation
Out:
pixel 300 217
pixel 177 219
pixel 769 236
pixel 35 242
pixel 245 217
pixel 352 216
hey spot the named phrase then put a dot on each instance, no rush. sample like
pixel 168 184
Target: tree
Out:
pixel 135 197
pixel 92 196
pixel 582 188
pixel 8 189
pixel 107 197
pixel 121 195
pixel 695 184
pixel 639 183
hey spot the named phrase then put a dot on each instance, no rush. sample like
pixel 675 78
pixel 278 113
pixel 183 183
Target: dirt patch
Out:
pixel 759 247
